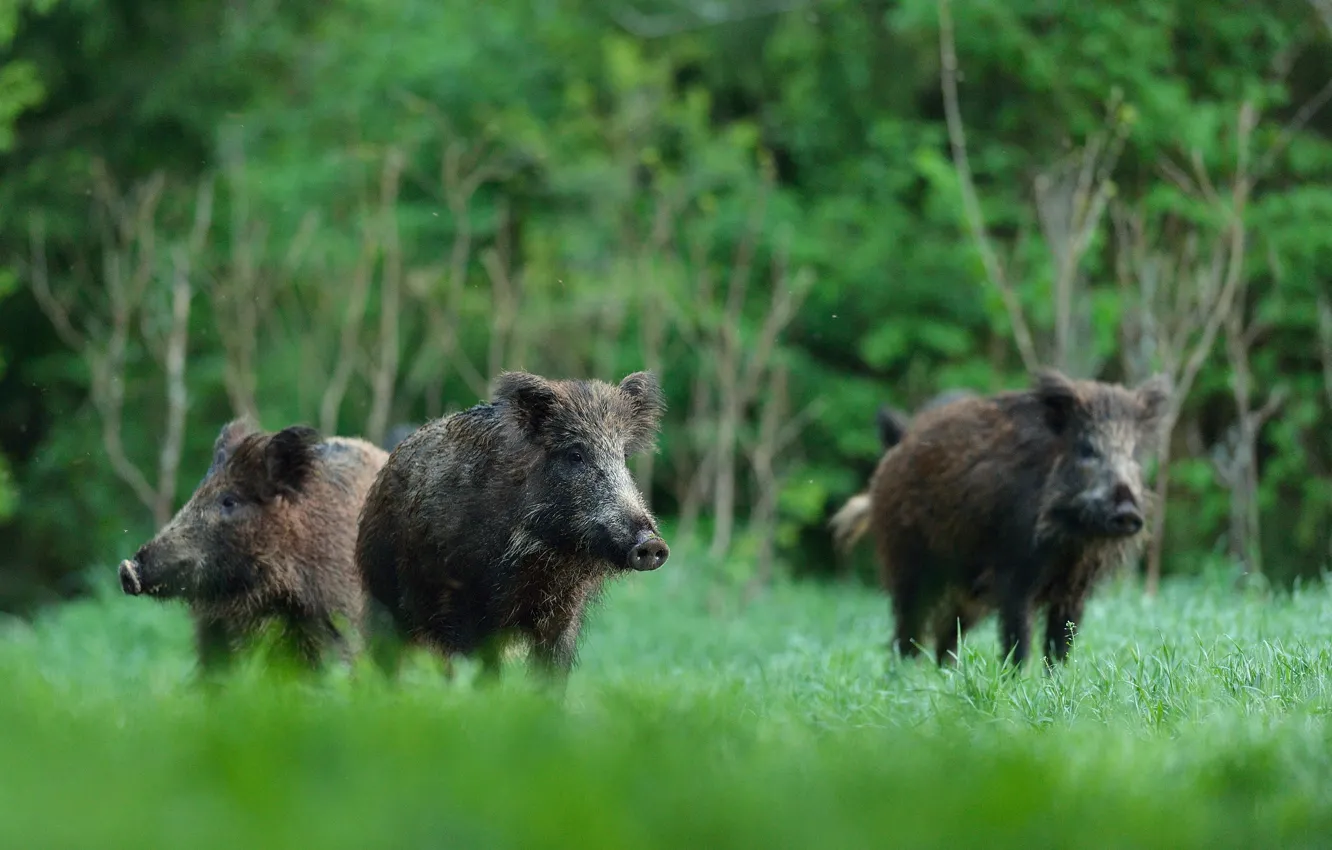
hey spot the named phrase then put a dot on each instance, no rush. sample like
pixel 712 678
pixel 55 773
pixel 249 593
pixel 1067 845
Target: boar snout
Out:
pixel 649 552
pixel 1125 518
pixel 155 570
pixel 129 578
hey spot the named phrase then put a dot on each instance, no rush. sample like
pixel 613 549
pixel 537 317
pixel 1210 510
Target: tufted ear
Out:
pixel 1059 398
pixel 1154 398
pixel 228 439
pixel 530 397
pixel 645 403
pixel 289 460
pixel 892 425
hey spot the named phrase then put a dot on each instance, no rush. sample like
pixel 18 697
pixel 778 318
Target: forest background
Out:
pixel 354 213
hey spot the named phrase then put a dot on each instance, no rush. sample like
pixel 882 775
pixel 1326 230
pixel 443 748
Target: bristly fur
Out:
pixel 852 520
pixel 268 535
pixel 1007 502
pixel 506 518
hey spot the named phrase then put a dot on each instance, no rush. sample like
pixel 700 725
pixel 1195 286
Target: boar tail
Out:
pixel 851 521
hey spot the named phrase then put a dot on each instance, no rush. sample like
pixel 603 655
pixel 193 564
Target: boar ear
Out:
pixel 228 439
pixel 1059 398
pixel 531 397
pixel 1154 398
pixel 647 403
pixel 289 459
pixel 892 425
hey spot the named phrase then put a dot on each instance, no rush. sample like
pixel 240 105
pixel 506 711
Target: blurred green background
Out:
pixel 353 213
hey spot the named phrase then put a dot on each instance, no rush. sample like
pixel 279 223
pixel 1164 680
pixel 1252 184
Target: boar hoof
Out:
pixel 129 578
pixel 649 554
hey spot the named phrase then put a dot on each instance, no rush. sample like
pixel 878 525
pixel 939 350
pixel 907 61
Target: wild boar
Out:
pixel 851 521
pixel 1015 501
pixel 892 424
pixel 267 536
pixel 506 518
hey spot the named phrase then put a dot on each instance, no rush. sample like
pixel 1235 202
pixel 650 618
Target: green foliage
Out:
pixel 20 84
pixel 8 491
pixel 808 143
pixel 20 89
pixel 1197 720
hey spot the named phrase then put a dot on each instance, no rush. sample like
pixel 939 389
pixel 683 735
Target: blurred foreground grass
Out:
pixel 694 719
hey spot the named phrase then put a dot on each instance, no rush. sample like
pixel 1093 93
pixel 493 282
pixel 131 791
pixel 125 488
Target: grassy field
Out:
pixel 695 719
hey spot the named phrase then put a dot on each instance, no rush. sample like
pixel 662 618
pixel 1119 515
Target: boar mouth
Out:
pixel 135 582
pixel 1121 522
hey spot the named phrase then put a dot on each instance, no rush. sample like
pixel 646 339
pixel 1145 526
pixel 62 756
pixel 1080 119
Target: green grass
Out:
pixel 695 719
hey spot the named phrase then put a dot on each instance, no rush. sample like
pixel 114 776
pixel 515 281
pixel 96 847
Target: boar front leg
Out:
pixel 1015 616
pixel 1060 626
pixel 214 643
pixel 491 656
pixel 315 638
pixel 554 648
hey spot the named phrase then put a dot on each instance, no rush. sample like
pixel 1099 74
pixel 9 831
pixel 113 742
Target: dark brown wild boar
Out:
pixel 506 518
pixel 1014 501
pixel 893 424
pixel 268 535
pixel 851 521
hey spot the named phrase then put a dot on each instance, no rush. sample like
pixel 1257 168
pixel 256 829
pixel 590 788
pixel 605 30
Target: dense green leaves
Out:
pixel 624 183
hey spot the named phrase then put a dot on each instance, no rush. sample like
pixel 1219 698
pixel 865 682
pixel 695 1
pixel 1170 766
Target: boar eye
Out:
pixel 575 455
pixel 1086 451
pixel 228 502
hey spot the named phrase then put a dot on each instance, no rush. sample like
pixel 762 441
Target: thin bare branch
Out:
pixel 1178 176
pixel 1237 243
pixel 1227 268
pixel 742 377
pixel 464 169
pixel 390 287
pixel 1070 205
pixel 1325 342
pixel 177 395
pixel 40 281
pixel 1209 193
pixel 504 314
pixel 176 392
pixel 352 324
pixel 100 332
pixel 239 298
pixel 970 202
pixel 1302 117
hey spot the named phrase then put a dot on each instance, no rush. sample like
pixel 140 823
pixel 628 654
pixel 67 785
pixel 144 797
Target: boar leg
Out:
pixel 214 642
pixel 1015 626
pixel 384 639
pixel 312 636
pixel 491 655
pixel 909 611
pixel 1060 622
pixel 554 648
pixel 1016 585
pixel 959 620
